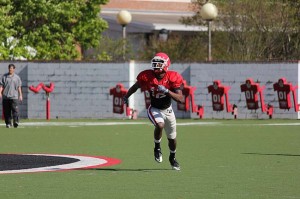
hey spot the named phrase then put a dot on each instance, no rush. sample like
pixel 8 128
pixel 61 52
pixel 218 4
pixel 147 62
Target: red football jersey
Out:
pixel 283 93
pixel 251 94
pixel 118 94
pixel 147 81
pixel 217 97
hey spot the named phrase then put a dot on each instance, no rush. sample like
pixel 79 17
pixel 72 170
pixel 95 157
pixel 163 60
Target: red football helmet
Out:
pixel 160 62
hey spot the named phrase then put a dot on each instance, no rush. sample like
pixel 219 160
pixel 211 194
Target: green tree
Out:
pixel 6 32
pixel 110 49
pixel 254 30
pixel 181 48
pixel 56 29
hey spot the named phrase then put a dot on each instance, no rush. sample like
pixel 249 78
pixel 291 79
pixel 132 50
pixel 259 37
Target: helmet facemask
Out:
pixel 159 65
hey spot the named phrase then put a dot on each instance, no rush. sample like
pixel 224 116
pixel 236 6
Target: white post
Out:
pixel 209 41
pixel 132 80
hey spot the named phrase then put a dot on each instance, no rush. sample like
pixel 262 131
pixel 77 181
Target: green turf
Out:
pixel 230 159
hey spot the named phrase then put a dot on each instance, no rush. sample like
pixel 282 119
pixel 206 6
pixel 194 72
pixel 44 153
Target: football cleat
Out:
pixel 16 124
pixel 158 155
pixel 174 164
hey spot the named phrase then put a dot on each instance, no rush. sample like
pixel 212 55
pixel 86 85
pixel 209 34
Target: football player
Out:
pixel 163 86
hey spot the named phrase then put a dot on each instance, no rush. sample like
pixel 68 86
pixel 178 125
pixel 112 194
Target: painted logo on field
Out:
pixel 29 163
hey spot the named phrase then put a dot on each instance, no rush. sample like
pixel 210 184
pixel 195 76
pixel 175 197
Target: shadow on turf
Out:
pixel 278 154
pixel 143 170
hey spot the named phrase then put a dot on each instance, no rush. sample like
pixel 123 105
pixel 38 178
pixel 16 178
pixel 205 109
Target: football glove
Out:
pixel 162 89
pixel 125 100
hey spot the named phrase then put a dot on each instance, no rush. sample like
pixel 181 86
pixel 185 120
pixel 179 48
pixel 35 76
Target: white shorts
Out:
pixel 165 116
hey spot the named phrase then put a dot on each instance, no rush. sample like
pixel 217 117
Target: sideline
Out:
pixel 78 124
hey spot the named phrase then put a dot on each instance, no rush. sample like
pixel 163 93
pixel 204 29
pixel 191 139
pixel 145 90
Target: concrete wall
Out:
pixel 234 75
pixel 82 89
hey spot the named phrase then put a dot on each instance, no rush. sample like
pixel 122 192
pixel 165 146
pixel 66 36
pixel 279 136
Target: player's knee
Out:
pixel 160 125
pixel 172 136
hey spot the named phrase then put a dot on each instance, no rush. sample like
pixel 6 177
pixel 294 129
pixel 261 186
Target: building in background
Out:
pixel 149 17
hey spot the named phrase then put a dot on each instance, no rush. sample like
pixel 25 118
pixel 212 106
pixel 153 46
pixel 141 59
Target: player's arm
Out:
pixel 1 86
pixel 132 90
pixel 1 89
pixel 176 95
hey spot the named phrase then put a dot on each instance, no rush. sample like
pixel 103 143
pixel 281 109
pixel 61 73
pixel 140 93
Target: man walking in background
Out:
pixel 11 92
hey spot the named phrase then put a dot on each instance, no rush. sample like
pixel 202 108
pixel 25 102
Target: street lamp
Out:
pixel 124 18
pixel 209 12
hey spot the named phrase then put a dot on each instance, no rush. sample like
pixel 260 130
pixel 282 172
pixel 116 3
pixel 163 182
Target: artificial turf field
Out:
pixel 232 159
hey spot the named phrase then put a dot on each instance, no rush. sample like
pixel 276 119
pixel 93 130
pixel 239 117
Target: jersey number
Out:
pixel 157 95
pixel 216 98
pixel 118 101
pixel 249 94
pixel 282 95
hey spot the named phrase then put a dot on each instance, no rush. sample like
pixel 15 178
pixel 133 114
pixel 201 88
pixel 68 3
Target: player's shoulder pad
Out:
pixel 145 75
pixel 175 77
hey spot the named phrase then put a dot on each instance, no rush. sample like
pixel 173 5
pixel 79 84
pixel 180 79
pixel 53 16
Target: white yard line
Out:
pixel 77 124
